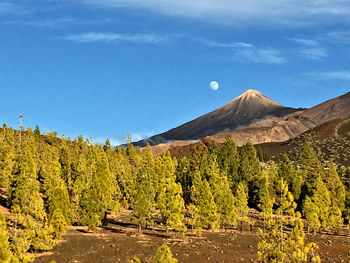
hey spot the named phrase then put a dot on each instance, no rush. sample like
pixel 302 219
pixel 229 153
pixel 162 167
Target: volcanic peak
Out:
pixel 250 93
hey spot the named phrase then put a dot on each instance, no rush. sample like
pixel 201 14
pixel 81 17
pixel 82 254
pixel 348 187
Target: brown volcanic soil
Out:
pixel 330 140
pixel 277 130
pixel 249 107
pixel 118 243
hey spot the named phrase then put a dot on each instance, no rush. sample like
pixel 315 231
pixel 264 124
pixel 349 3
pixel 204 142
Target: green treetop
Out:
pixel 241 203
pixel 5 251
pixel 312 169
pixel 164 255
pixel 289 174
pixel 206 209
pixel 228 160
pixel 278 246
pixel 222 193
pixel 144 192
pixel 169 200
pixel 316 208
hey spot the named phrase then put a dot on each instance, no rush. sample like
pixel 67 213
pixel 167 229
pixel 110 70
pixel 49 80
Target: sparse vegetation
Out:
pixel 50 183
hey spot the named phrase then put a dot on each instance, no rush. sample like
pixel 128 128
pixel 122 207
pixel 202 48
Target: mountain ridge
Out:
pixel 251 106
pixel 277 129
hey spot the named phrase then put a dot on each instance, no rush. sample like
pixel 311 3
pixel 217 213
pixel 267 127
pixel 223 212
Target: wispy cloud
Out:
pixel 339 36
pixel 247 52
pixel 261 55
pixel 331 75
pixel 114 37
pixel 223 44
pixel 306 42
pixel 241 50
pixel 57 23
pixel 310 48
pixel 317 53
pixel 272 12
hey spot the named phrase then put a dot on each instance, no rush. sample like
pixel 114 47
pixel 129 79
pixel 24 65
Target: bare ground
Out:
pixel 118 242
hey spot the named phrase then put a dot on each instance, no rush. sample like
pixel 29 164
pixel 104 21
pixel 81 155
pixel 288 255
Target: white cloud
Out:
pixel 247 51
pixel 113 37
pixel 224 45
pixel 57 23
pixel 306 42
pixel 257 55
pixel 331 75
pixel 241 50
pixel 317 53
pixel 272 12
pixel 310 49
pixel 339 36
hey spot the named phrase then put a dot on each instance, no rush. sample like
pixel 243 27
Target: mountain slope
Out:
pixel 289 126
pixel 330 140
pixel 244 110
pixel 275 129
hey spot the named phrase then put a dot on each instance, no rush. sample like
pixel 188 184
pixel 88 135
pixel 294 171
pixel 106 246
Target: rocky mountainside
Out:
pixel 244 110
pixel 277 129
pixel 330 140
pixel 286 127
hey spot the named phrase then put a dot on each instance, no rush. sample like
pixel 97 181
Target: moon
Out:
pixel 214 85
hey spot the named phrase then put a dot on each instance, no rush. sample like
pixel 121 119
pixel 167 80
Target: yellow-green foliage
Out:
pixel 277 245
pixel 135 259
pixel 164 255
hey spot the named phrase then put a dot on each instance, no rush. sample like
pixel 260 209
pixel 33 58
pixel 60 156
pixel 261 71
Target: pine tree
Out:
pixel 37 133
pixel 284 201
pixel 58 224
pixel 222 193
pixel 65 160
pixel 164 255
pixel 125 174
pixel 184 177
pixel 27 204
pixel 144 192
pixel 337 195
pixel 228 160
pixel 277 246
pixel 249 171
pixel 53 185
pixel 206 209
pixel 311 212
pixel 199 157
pixel 345 177
pixel 249 167
pixel 7 156
pixel 241 203
pixel 266 201
pixel 316 208
pixel 101 197
pixel 5 251
pixel 312 170
pixel 169 200
pixel 290 175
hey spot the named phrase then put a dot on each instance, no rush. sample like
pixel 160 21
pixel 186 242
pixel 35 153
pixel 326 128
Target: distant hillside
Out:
pixel 289 126
pixel 244 110
pixel 330 140
pixel 278 129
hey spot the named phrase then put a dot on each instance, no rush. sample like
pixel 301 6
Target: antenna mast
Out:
pixel 21 128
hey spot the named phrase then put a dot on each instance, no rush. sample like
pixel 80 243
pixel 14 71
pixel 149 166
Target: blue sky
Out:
pixel 101 68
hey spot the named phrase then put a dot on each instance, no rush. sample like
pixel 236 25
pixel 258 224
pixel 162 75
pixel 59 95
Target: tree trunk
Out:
pixel 140 230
